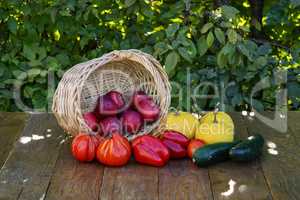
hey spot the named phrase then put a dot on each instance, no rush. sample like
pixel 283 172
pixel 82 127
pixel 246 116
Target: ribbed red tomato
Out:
pixel 84 146
pixel 115 151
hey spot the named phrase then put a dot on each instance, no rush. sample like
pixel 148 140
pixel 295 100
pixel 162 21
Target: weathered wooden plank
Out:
pixel 132 181
pixel 11 126
pixel 181 179
pixel 280 161
pixel 294 125
pixel 74 180
pixel 27 171
pixel 3 115
pixel 246 179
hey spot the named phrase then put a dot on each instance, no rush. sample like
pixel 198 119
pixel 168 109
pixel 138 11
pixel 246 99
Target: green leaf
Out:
pixel 175 44
pixel 202 46
pixel 229 12
pixel 244 50
pixel 34 63
pixel 63 59
pixel 264 49
pixel 295 3
pixel 220 35
pixel 257 25
pixel 33 72
pixel 232 90
pixel 184 53
pixel 129 3
pixel 84 41
pixel 12 25
pixel 22 76
pixel 232 36
pixel 160 48
pixel 171 30
pixel 258 105
pixel 52 63
pixel 191 48
pixel 28 52
pixel 245 28
pixel 226 24
pixel 230 53
pixel 2 70
pixel 182 39
pixel 293 89
pixel 261 61
pixel 237 99
pixel 53 13
pixel 171 61
pixel 210 39
pixel 221 60
pixel 16 73
pixel 65 12
pixel 206 27
pixel 228 49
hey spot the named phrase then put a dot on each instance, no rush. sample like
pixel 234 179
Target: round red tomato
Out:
pixel 84 146
pixel 194 145
pixel 115 151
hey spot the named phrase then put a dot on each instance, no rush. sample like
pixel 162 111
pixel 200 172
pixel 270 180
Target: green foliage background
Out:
pixel 214 44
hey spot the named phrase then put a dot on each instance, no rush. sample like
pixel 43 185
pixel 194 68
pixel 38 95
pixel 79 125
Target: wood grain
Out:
pixel 181 180
pixel 294 125
pixel 132 181
pixel 33 164
pixel 280 164
pixel 27 171
pixel 74 180
pixel 248 179
pixel 11 126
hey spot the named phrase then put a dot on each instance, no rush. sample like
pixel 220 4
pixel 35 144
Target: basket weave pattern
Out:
pixel 125 71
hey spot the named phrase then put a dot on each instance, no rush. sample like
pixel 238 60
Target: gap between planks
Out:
pixel 27 170
pixel 11 126
pixel 279 163
pixel 246 178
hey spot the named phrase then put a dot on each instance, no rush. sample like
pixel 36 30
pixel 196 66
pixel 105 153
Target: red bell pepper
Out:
pixel 150 150
pixel 176 143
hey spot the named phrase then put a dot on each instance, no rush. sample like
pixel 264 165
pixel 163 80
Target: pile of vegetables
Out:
pixel 207 141
pixel 112 114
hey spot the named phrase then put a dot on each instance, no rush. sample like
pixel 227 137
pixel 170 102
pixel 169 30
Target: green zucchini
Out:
pixel 248 150
pixel 212 153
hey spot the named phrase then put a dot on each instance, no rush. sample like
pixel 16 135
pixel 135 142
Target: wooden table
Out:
pixel 36 163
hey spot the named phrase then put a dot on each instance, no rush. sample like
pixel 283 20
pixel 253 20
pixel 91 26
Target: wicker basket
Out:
pixel 125 71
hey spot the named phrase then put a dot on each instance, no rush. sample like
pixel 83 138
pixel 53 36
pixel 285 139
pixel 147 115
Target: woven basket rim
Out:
pixel 132 55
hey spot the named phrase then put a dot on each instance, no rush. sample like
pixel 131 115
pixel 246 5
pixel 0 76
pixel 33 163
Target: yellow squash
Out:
pixel 182 122
pixel 221 117
pixel 215 127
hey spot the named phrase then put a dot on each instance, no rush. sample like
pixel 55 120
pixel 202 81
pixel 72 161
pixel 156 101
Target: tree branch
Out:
pixel 187 12
pixel 257 7
pixel 218 3
pixel 274 43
